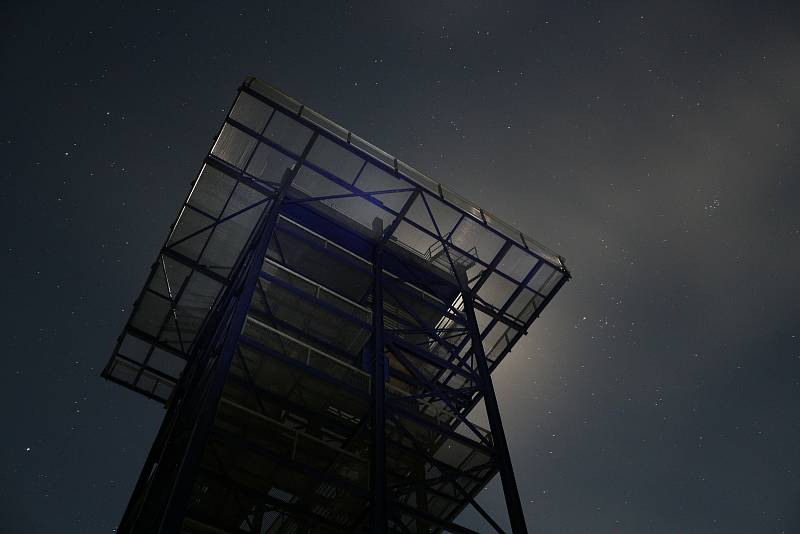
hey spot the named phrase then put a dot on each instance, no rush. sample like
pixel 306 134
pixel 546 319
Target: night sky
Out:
pixel 653 144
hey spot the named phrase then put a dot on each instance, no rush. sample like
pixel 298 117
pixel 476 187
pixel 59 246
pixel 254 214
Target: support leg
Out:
pixel 378 472
pixel 163 493
pixel 503 458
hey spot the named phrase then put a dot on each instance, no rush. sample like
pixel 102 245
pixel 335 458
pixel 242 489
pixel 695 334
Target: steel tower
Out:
pixel 319 324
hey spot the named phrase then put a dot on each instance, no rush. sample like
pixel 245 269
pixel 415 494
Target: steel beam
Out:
pixel 377 479
pixel 503 458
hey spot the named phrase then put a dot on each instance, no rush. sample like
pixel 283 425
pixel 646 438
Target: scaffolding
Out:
pixel 319 324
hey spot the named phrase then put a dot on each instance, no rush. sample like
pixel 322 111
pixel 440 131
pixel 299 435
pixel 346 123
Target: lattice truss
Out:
pixel 363 255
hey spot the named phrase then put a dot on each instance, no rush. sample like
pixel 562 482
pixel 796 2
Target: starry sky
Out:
pixel 653 144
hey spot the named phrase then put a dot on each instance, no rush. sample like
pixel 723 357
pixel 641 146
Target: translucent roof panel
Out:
pixel 345 190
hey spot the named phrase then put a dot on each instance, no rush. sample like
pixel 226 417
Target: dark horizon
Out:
pixel 653 145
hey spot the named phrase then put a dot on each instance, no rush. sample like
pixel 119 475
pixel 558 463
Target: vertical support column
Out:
pixel 502 456
pixel 159 504
pixel 423 526
pixel 378 524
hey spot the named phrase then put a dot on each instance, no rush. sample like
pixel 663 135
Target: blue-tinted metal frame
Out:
pixel 474 366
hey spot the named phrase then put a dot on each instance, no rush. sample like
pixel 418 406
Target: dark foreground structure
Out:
pixel 319 324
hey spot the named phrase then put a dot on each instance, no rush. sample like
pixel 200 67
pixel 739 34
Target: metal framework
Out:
pixel 319 323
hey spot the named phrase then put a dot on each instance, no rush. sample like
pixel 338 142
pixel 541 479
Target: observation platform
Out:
pixel 291 445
